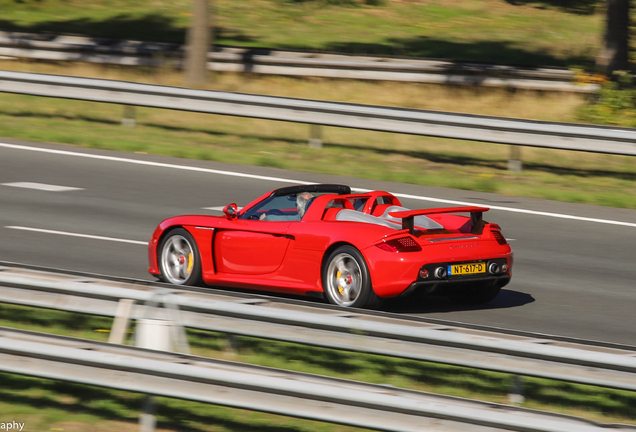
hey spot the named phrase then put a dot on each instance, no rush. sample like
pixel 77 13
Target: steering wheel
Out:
pixel 257 216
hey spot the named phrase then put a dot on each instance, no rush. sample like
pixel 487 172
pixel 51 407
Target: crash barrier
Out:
pixel 564 136
pixel 605 365
pixel 276 391
pixel 290 63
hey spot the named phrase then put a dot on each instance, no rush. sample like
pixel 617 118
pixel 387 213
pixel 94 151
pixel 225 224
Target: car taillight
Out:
pixel 499 237
pixel 402 244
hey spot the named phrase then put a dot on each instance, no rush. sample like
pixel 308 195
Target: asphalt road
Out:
pixel 574 267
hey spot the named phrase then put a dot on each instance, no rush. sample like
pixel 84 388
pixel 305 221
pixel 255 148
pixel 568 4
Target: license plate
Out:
pixel 466 269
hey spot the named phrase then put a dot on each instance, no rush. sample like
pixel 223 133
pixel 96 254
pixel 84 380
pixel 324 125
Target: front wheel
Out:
pixel 179 259
pixel 346 281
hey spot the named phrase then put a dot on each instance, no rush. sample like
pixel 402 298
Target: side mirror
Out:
pixel 230 211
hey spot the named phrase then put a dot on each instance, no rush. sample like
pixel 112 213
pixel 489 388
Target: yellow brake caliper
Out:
pixel 340 288
pixel 190 263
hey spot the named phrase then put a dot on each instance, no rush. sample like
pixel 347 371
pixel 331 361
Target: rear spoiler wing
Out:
pixel 476 216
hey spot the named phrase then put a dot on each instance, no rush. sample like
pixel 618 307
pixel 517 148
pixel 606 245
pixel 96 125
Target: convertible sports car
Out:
pixel 353 249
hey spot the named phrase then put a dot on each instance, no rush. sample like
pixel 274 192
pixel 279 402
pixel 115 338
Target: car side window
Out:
pixel 277 205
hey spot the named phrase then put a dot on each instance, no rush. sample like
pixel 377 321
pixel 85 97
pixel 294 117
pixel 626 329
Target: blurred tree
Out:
pixel 198 43
pixel 615 54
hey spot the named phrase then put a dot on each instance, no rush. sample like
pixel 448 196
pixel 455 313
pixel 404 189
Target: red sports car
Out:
pixel 352 249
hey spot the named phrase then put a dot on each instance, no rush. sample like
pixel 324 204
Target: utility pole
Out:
pixel 615 54
pixel 198 43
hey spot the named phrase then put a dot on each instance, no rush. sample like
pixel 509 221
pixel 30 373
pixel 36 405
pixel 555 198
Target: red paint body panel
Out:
pixel 248 252
pixel 287 256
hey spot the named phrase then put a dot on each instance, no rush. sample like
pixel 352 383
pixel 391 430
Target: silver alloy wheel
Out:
pixel 344 279
pixel 177 259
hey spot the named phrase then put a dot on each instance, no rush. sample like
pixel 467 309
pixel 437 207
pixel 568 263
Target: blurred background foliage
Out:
pixel 615 104
pixel 543 33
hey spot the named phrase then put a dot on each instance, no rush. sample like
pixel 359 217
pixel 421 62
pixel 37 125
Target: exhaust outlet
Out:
pixel 493 268
pixel 440 272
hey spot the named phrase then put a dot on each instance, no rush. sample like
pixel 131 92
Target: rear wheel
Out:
pixel 346 280
pixel 481 292
pixel 179 259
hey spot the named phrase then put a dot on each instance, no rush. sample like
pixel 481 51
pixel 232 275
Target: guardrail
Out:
pixel 180 376
pixel 291 63
pixel 565 136
pixel 611 366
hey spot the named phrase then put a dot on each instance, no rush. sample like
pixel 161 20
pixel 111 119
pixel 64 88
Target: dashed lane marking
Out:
pixel 41 186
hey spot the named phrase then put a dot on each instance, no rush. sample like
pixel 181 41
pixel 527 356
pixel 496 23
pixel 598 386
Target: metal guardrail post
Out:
pixel 154 334
pixel 514 163
pixel 157 319
pixel 121 321
pixel 163 332
pixel 129 117
pixel 315 136
pixel 516 391
pixel 232 343
pixel 151 334
pixel 148 419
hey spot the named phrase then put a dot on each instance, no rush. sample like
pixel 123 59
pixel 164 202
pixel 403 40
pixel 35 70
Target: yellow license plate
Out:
pixel 466 269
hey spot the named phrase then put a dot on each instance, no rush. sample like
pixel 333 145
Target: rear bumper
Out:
pixel 448 286
pixel 395 274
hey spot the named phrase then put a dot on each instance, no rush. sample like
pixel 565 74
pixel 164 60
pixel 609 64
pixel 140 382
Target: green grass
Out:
pixel 557 33
pixel 46 404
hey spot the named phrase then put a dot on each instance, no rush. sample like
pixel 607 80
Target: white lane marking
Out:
pixel 41 186
pixel 155 164
pixel 283 180
pixel 45 231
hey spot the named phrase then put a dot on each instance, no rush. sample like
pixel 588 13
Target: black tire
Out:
pixel 179 258
pixel 477 293
pixel 346 281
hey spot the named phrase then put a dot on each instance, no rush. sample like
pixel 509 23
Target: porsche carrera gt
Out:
pixel 353 249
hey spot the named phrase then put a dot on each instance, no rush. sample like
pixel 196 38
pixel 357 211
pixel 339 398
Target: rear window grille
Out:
pixel 408 242
pixel 499 237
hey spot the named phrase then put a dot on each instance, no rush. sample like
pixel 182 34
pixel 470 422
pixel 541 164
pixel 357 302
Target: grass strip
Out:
pixel 90 405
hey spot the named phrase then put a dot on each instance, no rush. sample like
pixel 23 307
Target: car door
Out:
pixel 251 247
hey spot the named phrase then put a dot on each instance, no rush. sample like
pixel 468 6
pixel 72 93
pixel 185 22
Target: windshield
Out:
pixel 285 205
